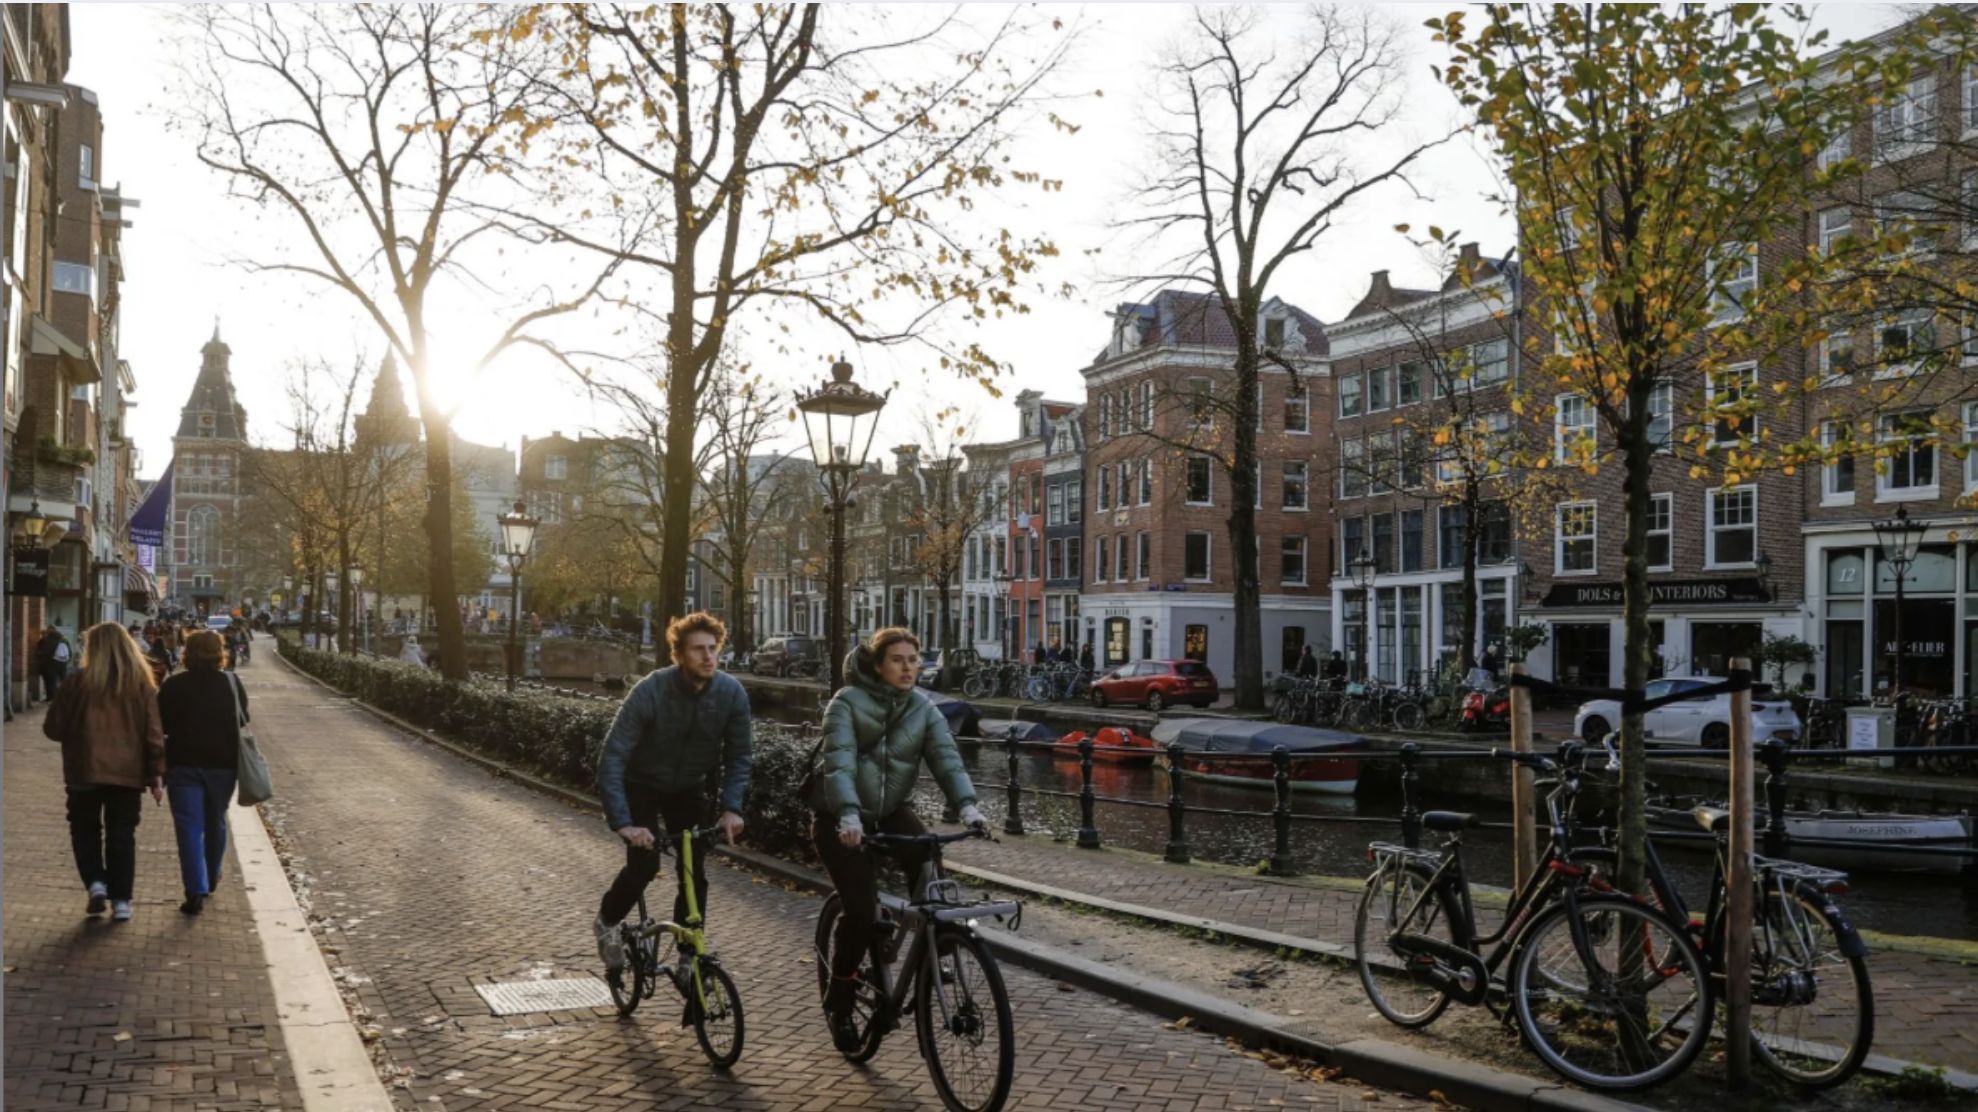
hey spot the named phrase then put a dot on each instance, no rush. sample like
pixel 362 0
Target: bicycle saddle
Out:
pixel 1714 819
pixel 1449 820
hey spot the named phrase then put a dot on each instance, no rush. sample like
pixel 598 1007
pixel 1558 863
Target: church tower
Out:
pixel 387 419
pixel 206 474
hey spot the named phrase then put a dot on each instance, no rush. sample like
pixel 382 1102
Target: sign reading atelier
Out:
pixel 1677 592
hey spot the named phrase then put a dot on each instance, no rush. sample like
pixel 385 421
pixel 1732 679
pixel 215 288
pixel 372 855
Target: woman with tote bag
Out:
pixel 204 709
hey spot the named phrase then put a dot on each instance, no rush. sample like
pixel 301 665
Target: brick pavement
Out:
pixel 1926 1007
pixel 162 1012
pixel 430 876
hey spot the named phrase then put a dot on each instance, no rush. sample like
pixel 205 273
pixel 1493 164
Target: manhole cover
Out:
pixel 519 997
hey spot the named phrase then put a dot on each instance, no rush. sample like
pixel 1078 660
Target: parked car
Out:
pixel 785 656
pixel 1156 684
pixel 219 623
pixel 1703 720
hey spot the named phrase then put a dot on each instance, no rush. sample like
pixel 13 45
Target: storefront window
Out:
pixel 1934 570
pixel 1844 573
pixel 1713 645
pixel 1353 628
pixel 1385 641
pixel 1580 651
pixel 1195 642
pixel 1116 641
pixel 1928 625
pixel 1411 631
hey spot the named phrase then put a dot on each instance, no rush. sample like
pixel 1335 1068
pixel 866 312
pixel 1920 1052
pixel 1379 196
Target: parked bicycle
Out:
pixel 713 1006
pixel 1597 983
pixel 949 981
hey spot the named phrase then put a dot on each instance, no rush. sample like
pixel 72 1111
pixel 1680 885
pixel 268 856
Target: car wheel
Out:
pixel 1155 700
pixel 1594 729
pixel 1098 697
pixel 1717 735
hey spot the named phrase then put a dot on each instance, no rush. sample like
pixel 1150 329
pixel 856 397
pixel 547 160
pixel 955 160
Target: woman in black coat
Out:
pixel 202 754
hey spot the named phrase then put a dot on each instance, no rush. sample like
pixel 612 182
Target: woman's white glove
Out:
pixel 850 830
pixel 973 818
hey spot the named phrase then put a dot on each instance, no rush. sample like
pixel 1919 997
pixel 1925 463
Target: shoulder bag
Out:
pixel 250 770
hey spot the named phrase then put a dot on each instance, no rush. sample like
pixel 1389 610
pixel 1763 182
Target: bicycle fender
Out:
pixel 1844 930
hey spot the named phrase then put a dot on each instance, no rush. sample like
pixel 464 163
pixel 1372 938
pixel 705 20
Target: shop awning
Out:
pixel 138 581
pixel 154 514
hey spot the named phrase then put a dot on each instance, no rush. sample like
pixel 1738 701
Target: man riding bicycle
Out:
pixel 878 730
pixel 676 729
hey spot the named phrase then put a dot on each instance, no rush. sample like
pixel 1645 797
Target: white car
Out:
pixel 1704 720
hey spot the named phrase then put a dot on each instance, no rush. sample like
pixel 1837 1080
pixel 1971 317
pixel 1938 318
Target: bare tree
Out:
pixel 743 491
pixel 806 157
pixel 1254 161
pixel 373 127
pixel 945 511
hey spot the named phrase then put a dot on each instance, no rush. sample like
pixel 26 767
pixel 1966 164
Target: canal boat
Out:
pixel 999 730
pixel 1110 744
pixel 1238 751
pixel 1877 828
pixel 964 720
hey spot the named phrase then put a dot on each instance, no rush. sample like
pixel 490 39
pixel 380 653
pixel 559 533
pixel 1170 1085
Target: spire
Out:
pixel 212 412
pixel 216 328
pixel 387 415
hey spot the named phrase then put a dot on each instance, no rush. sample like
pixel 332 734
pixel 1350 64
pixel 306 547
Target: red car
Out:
pixel 1156 684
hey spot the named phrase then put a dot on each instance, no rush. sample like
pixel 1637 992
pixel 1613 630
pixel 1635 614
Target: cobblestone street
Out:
pixel 431 877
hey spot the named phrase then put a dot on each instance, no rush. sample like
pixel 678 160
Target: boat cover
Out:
pixel 1242 735
pixel 1000 729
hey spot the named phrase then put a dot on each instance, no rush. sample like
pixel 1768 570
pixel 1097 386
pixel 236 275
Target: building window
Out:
pixel 1201 487
pixel 1201 403
pixel 1349 396
pixel 1143 556
pixel 1912 463
pixel 1903 342
pixel 1574 436
pixel 1491 362
pixel 202 535
pixel 1494 543
pixel 1352 542
pixel 1661 516
pixel 1911 215
pixel 1837 473
pixel 1074 558
pixel 1733 527
pixel 1054 552
pixel 1731 391
pixel 1971 99
pixel 1733 275
pixel 1377 389
pixel 1147 405
pixel 1195 557
pixel 1054 506
pixel 1274 334
pixel 1075 500
pixel 1297 408
pixel 1105 417
pixel 1836 224
pixel 1907 118
pixel 1661 416
pixel 1383 543
pixel 1146 481
pixel 1101 549
pixel 1834 356
pixel 1411 540
pixel 1105 487
pixel 1840 147
pixel 1352 469
pixel 1380 463
pixel 1577 531
pixel 75 278
pixel 1408 384
pixel 556 467
pixel 1195 642
pixel 1293 574
pixel 1294 484
pixel 1119 557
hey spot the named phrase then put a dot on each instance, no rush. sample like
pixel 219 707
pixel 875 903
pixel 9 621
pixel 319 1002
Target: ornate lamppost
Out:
pixel 363 640
pixel 1896 542
pixel 840 417
pixel 518 532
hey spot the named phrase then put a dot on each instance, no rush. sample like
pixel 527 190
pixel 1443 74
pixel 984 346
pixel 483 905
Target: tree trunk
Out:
pixel 1249 655
pixel 1637 455
pixel 343 594
pixel 439 516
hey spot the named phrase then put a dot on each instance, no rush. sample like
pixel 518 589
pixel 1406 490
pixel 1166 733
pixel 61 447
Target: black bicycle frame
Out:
pixel 933 916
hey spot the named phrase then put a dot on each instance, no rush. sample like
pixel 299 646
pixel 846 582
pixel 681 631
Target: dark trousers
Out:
pixel 103 833
pixel 659 813
pixel 200 798
pixel 51 678
pixel 853 874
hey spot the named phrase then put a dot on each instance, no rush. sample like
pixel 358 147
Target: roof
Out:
pixel 213 396
pixel 1187 318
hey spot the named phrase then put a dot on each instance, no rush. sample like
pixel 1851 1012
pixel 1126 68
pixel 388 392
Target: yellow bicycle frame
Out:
pixel 690 937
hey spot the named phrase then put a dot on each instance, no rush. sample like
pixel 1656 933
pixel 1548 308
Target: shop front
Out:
pixel 1696 628
pixel 1862 622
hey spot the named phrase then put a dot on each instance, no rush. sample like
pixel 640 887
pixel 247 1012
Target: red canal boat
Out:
pixel 1111 744
pixel 1238 751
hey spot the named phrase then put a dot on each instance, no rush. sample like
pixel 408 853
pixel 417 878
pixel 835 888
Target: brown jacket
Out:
pixel 106 743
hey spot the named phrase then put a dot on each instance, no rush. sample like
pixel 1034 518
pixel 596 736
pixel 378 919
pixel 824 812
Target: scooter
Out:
pixel 1486 711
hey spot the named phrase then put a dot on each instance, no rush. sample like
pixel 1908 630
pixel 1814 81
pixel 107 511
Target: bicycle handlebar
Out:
pixel 923 839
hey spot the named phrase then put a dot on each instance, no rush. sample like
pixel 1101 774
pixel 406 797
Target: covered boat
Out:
pixel 964 720
pixel 999 730
pixel 1111 744
pixel 1872 827
pixel 1238 751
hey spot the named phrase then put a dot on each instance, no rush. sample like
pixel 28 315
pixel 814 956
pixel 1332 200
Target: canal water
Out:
pixel 1329 834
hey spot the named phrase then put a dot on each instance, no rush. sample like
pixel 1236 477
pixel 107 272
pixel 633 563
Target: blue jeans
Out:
pixel 200 798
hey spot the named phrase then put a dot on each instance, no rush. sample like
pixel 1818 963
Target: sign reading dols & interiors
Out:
pixel 1674 592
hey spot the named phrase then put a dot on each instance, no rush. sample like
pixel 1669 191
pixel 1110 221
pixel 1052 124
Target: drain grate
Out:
pixel 521 997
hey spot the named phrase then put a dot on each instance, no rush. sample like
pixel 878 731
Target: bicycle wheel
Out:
pixel 1037 689
pixel 866 1002
pixel 966 1032
pixel 1812 1008
pixel 1408 716
pixel 1391 891
pixel 978 685
pixel 627 996
pixel 717 1014
pixel 1609 995
pixel 1281 709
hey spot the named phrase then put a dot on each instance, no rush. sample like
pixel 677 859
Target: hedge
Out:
pixel 557 737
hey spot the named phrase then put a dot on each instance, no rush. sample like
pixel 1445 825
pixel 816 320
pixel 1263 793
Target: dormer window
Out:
pixel 1274 334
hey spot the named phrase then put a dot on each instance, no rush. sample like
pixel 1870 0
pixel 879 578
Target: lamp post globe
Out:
pixel 840 417
pixel 1897 541
pixel 518 536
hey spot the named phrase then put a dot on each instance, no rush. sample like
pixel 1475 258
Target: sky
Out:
pixel 183 274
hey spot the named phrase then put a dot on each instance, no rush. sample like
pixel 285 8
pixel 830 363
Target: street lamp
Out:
pixel 357 608
pixel 335 609
pixel 34 524
pixel 1897 540
pixel 1008 581
pixel 840 417
pixel 1360 569
pixel 518 532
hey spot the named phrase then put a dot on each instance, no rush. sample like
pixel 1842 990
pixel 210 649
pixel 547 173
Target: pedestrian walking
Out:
pixel 1085 657
pixel 51 661
pixel 1308 663
pixel 113 748
pixel 202 709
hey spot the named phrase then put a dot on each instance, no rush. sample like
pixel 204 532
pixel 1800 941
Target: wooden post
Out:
pixel 1738 889
pixel 1524 838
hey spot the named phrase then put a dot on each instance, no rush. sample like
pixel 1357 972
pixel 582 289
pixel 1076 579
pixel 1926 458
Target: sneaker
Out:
pixel 120 911
pixel 611 949
pixel 844 1030
pixel 193 905
pixel 99 897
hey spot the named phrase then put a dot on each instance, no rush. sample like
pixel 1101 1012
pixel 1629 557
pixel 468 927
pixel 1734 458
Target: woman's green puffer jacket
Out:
pixel 869 769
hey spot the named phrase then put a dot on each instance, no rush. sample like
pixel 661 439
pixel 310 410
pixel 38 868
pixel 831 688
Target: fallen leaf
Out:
pixel 1182 1024
pixel 121 1036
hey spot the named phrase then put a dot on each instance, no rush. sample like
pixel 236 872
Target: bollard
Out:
pixel 1177 837
pixel 1524 836
pixel 1411 818
pixel 1013 821
pixel 1776 754
pixel 1738 896
pixel 1281 813
pixel 1088 834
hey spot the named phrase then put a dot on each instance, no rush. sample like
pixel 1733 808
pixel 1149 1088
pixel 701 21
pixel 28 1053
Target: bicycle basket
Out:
pixel 1384 853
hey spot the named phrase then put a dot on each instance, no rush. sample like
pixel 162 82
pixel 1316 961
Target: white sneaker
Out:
pixel 120 911
pixel 99 897
pixel 611 949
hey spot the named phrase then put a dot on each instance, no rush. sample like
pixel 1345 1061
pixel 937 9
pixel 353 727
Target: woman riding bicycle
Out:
pixel 878 730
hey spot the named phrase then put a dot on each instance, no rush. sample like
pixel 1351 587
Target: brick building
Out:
pixel 206 487
pixel 1159 579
